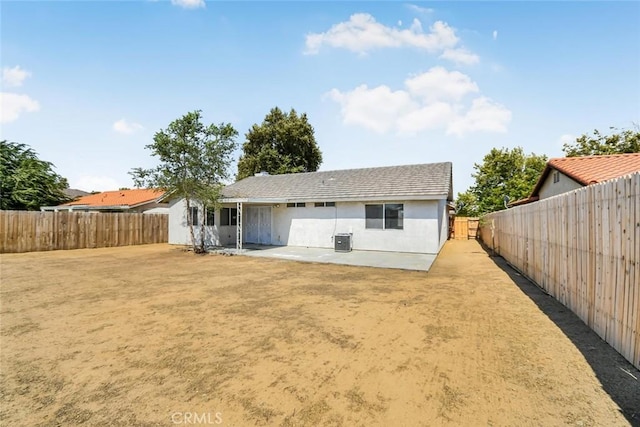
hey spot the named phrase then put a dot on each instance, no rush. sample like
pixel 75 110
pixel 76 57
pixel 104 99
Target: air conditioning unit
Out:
pixel 343 242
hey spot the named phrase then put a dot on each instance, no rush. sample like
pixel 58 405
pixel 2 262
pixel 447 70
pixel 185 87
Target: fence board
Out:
pixel 22 231
pixel 583 248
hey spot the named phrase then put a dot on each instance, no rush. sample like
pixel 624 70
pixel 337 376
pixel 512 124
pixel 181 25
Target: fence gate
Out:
pixel 465 228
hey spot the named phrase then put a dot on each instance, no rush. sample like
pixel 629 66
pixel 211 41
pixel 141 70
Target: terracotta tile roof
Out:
pixel 592 169
pixel 128 198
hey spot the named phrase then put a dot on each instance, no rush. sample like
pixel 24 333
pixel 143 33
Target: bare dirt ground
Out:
pixel 151 335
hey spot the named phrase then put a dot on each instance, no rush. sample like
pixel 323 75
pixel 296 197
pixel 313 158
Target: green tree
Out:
pixel 467 204
pixel 617 142
pixel 26 182
pixel 283 143
pixel 194 161
pixel 505 175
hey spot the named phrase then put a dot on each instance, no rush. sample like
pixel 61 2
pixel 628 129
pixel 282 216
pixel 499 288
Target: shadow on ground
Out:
pixel 614 372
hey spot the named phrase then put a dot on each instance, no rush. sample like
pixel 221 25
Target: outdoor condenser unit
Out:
pixel 343 242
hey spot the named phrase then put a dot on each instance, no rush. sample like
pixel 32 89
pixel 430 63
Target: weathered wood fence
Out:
pixel 22 231
pixel 583 248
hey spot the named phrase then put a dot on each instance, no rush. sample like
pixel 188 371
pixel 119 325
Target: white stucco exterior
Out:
pixel 564 185
pixel 425 226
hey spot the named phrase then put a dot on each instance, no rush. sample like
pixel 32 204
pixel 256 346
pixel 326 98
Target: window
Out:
pixel 556 177
pixel 193 216
pixel 393 216
pixel 296 205
pixel 323 204
pixel 385 216
pixel 373 216
pixel 229 216
pixel 211 217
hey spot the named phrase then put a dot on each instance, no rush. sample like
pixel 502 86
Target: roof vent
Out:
pixel 262 173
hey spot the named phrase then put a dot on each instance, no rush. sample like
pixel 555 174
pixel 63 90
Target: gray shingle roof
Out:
pixel 400 182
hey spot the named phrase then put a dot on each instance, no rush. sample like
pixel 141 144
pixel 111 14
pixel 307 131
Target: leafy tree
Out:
pixel 505 175
pixel 26 182
pixel 618 142
pixel 466 204
pixel 194 161
pixel 283 143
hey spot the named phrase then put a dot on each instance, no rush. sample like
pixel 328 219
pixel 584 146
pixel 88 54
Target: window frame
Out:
pixel 384 220
pixel 209 213
pixel 227 217
pixel 192 216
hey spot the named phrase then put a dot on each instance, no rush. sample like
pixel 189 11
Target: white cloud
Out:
pixel 95 183
pixel 13 104
pixel 419 9
pixel 495 34
pixel 374 109
pixel 431 100
pixel 189 4
pixel 122 126
pixel 460 55
pixel 13 77
pixel 362 33
pixel 438 83
pixel 484 115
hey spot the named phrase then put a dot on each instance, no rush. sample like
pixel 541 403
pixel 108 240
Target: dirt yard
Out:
pixel 151 335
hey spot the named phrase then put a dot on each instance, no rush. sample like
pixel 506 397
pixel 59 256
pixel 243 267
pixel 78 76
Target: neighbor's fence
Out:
pixel 583 248
pixel 22 231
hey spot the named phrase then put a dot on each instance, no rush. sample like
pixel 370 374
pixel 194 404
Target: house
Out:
pixel 135 201
pixel 73 193
pixel 397 208
pixel 565 174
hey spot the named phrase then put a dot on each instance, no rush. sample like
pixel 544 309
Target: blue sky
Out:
pixel 87 84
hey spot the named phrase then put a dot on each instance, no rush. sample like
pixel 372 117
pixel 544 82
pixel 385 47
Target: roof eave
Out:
pixel 334 199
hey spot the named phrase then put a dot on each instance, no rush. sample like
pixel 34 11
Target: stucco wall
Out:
pixel 179 231
pixel 550 188
pixel 315 227
pixel 425 227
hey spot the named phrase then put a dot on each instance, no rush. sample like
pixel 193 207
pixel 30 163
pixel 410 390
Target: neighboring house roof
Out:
pixel 587 170
pixel 120 198
pixel 74 193
pixel 400 182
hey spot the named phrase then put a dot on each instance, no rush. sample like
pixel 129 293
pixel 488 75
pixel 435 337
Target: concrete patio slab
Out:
pixel 398 260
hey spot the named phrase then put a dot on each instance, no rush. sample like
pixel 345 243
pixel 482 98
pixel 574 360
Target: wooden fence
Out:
pixel 465 228
pixel 22 231
pixel 583 248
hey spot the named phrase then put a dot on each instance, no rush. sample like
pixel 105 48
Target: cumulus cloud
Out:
pixel 375 109
pixel 484 115
pixel 435 99
pixel 460 56
pixel 189 4
pixel 495 34
pixel 362 33
pixel 13 105
pixel 13 77
pixel 127 128
pixel 95 183
pixel 438 83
